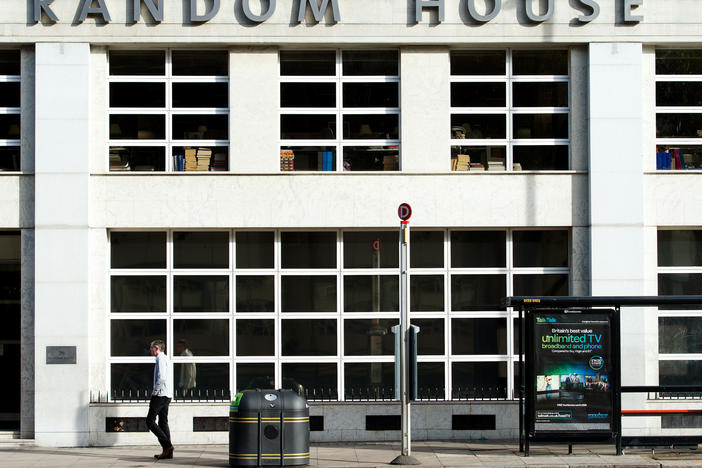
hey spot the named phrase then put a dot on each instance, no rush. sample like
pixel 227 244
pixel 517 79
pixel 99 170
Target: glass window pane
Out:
pixel 308 95
pixel 426 293
pixel 371 95
pixel 369 381
pixel 479 336
pixel 679 335
pixel 371 249
pixel 131 381
pixel 477 292
pixel 679 157
pixel 10 95
pixel 255 294
pixel 201 95
pixel 540 285
pixel 138 95
pixel 308 158
pixel 678 125
pixel 540 248
pixel 426 249
pixel 430 339
pixel 201 249
pixel 211 383
pixel 137 127
pixel 430 380
pixel 476 158
pixel 137 62
pixel 307 126
pixel 479 126
pixel 540 158
pixel 480 62
pixel 307 63
pixel 676 93
pixel 478 249
pixel 371 293
pixel 679 248
pixel 201 294
pixel 133 337
pixel 308 293
pixel 680 284
pixel 201 158
pixel 10 158
pixel 478 94
pixel 680 373
pixel 10 61
pixel 371 126
pixel 252 376
pixel 316 381
pixel 195 337
pixel 369 337
pixel 138 249
pixel 254 250
pixel 308 249
pixel 138 293
pixel 201 62
pixel 255 337
pixel 540 62
pixel 9 126
pixel 201 127
pixel 479 379
pixel 679 62
pixel 371 158
pixel 308 337
pixel 137 158
pixel 540 125
pixel 365 62
pixel 540 94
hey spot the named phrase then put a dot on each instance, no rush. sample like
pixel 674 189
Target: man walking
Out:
pixel 160 399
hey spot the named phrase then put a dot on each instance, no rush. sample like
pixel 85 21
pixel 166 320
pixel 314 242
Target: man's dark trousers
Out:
pixel 158 406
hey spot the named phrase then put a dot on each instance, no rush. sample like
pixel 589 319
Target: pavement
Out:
pixel 356 455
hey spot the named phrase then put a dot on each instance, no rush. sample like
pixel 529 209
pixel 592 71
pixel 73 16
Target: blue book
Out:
pixel 326 161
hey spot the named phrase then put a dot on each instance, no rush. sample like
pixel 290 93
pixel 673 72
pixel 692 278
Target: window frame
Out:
pixel 14 142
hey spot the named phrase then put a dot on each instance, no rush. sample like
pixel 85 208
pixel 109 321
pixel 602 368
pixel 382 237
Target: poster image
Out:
pixel 571 371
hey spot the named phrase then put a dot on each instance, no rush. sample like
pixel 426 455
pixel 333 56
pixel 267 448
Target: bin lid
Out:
pixel 262 399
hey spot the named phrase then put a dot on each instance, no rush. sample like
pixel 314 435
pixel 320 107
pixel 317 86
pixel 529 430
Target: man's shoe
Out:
pixel 166 454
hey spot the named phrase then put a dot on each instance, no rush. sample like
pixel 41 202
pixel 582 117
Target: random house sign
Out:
pixel 202 11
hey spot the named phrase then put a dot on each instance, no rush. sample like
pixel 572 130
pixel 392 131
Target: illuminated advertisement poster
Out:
pixel 572 370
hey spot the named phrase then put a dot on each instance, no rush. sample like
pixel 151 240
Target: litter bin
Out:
pixel 269 427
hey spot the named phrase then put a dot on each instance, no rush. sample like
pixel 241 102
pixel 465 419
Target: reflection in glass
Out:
pixel 430 340
pixel 255 294
pixel 138 293
pixel 133 337
pixel 678 93
pixel 199 337
pixel 308 249
pixel 254 249
pixel 680 373
pixel 679 248
pixel 478 249
pixel 430 380
pixel 679 62
pixel 371 249
pixel 369 337
pixel 131 381
pixel 479 336
pixel 315 381
pixel 255 337
pixel 478 62
pixel 479 126
pixel 201 294
pixel 478 94
pixel 540 248
pixel 679 125
pixel 369 381
pixel 540 62
pixel 371 293
pixel 201 249
pixel 479 379
pixel 477 292
pixel 138 249
pixel 426 293
pixel 681 335
pixel 540 285
pixel 211 383
pixel 256 375
pixel 308 337
pixel 426 249
pixel 680 284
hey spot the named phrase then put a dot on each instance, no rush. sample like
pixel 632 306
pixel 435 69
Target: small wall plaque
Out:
pixel 60 354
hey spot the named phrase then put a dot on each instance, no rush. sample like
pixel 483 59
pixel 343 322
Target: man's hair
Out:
pixel 159 344
pixel 182 342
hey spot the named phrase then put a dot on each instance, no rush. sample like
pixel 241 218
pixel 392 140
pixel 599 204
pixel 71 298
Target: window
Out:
pixel 509 110
pixel 315 310
pixel 169 110
pixel 339 110
pixel 10 105
pixel 678 109
pixel 679 327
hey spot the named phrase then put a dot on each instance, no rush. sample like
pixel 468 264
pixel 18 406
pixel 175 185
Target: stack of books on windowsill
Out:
pixel 204 155
pixel 220 162
pixel 390 163
pixel 116 163
pixel 178 162
pixel 190 159
pixel 462 162
pixel 287 160
pixel 496 166
pixel 477 167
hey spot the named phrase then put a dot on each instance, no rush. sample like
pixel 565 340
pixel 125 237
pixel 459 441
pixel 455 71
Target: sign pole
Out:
pixel 405 458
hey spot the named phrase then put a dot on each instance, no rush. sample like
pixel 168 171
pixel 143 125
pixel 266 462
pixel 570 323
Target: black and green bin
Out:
pixel 269 427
